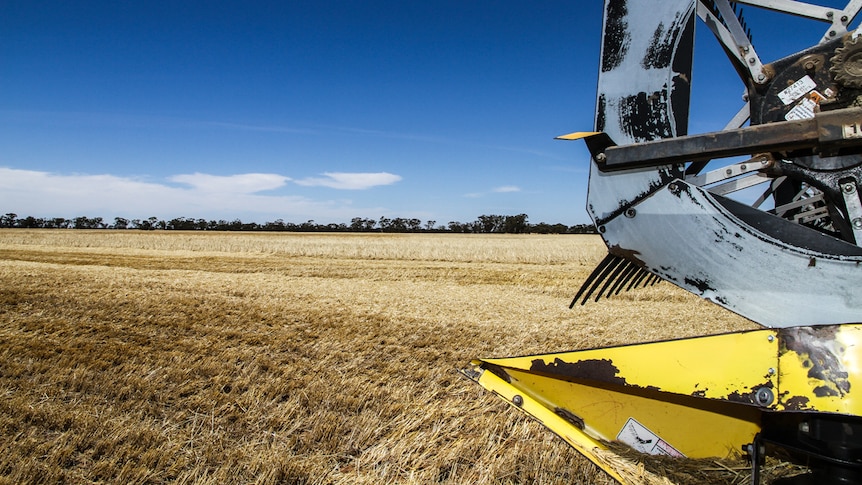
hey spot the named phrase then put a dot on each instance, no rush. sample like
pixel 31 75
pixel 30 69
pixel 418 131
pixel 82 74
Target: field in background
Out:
pixel 153 357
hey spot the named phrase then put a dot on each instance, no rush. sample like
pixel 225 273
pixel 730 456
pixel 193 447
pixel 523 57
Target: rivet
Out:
pixel 857 223
pixel 770 338
pixel 630 213
pixel 771 370
pixel 518 400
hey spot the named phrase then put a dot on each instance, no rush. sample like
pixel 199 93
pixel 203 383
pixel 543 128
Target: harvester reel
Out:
pixel 667 201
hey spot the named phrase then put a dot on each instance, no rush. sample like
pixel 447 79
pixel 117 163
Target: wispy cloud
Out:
pixel 46 194
pixel 503 189
pixel 246 183
pixel 350 181
pixel 506 188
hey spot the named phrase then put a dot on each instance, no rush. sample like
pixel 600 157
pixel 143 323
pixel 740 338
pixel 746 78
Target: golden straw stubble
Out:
pixel 131 356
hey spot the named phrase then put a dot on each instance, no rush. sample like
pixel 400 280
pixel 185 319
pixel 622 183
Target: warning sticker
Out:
pixel 643 440
pixel 806 107
pixel 797 90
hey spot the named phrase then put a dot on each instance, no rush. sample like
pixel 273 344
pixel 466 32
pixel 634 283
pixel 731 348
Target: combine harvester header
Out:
pixel 791 261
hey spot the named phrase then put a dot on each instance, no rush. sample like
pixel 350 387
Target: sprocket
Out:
pixel 847 63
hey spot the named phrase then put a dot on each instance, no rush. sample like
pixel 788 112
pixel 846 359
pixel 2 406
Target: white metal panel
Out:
pixel 633 32
pixel 688 238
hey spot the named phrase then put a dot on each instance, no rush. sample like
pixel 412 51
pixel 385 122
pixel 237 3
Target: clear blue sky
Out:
pixel 321 110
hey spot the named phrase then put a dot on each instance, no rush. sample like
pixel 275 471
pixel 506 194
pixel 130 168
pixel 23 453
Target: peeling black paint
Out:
pixel 821 354
pixel 660 50
pixel 645 116
pixel 685 189
pixel 796 403
pixel 701 285
pixel 616 36
pixel 602 370
pixel 600 113
pixel 722 235
pixel 748 397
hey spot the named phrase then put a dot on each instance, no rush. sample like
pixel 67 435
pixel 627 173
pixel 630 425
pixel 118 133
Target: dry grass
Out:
pixel 135 357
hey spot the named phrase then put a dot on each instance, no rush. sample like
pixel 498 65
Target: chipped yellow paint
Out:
pixel 820 369
pixel 699 397
pixel 728 367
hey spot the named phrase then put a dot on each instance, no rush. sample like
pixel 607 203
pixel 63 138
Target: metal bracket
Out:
pixel 756 453
pixel 854 208
pixel 760 162
pixel 839 19
pixel 729 31
pixel 828 133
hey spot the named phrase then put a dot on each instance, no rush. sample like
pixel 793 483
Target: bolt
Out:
pixel 830 14
pixel 771 370
pixel 630 213
pixel 752 61
pixel 764 396
pixel 742 167
pixel 770 338
pixel 761 78
pixel 601 158
pixel 844 19
pixel 809 66
pixel 602 229
pixel 857 223
pixel 848 188
pixel 832 33
pixel 518 400
pixel 804 427
pixel 674 188
pixel 728 171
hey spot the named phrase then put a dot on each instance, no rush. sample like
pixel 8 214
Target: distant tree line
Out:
pixel 517 224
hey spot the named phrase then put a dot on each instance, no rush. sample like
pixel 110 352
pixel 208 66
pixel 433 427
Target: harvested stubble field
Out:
pixel 152 357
